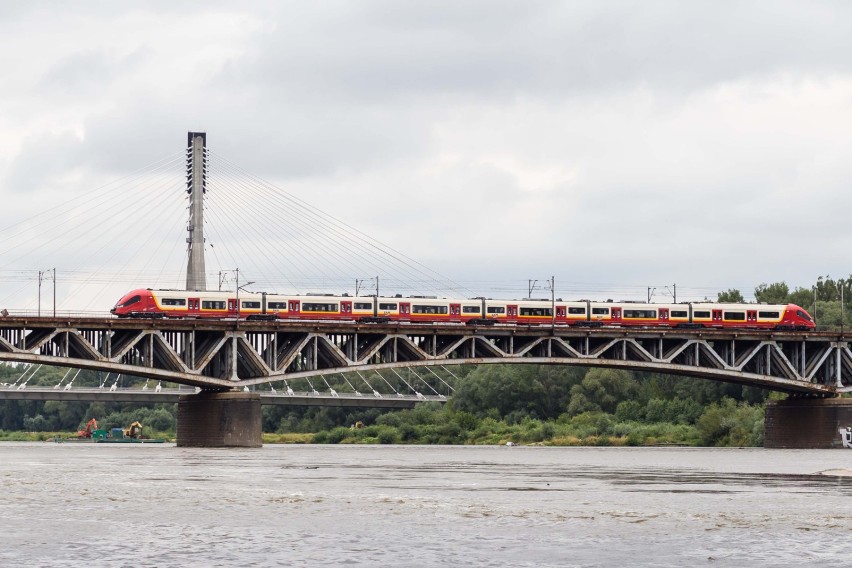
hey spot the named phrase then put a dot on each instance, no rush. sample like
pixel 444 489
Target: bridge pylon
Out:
pixel 196 187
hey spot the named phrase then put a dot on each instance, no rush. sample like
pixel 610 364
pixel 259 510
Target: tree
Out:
pixel 519 390
pixel 803 297
pixel 731 296
pixel 775 293
pixel 602 389
pixel 731 424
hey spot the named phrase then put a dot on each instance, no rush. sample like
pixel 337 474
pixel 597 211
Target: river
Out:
pixel 159 505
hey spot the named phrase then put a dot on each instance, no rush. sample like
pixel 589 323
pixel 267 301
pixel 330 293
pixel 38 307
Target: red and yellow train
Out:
pixel 150 303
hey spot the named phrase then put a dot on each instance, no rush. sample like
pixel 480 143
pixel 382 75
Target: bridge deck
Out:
pixel 222 354
pixel 172 395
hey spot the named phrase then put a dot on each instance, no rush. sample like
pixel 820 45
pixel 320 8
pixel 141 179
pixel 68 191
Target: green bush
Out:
pixel 337 435
pixel 388 435
pixel 628 410
pixel 466 420
pixel 408 433
pixel 731 424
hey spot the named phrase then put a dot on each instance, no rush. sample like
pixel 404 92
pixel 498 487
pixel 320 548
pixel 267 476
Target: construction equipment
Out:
pixel 133 431
pixel 91 426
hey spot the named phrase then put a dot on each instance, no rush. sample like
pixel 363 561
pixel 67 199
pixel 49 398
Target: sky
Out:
pixel 614 145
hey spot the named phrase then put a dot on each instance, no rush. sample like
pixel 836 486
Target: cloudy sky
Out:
pixel 615 145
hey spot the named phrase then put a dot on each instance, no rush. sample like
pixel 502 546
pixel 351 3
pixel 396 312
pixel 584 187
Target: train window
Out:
pixel 700 314
pixel 600 311
pixel 362 306
pixel 640 314
pixel 735 316
pixel 312 307
pixel 540 312
pixel 577 311
pixel 252 305
pixel 132 301
pixel 470 309
pixel 769 315
pixel 415 309
pixel 277 305
pixel 496 310
pixel 803 315
pixel 173 302
pixel 678 313
pixel 387 307
pixel 212 305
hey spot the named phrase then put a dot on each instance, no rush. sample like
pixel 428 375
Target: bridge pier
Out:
pixel 806 423
pixel 219 420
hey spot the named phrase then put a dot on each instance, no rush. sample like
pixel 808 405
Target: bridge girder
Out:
pixel 229 354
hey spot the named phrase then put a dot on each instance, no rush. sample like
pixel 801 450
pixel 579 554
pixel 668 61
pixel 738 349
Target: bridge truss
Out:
pixel 226 354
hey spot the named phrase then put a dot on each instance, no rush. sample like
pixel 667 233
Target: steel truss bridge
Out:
pixel 230 354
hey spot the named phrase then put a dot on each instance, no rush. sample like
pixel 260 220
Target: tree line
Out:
pixel 822 300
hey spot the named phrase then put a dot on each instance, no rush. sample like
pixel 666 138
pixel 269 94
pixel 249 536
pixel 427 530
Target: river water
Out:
pixel 159 505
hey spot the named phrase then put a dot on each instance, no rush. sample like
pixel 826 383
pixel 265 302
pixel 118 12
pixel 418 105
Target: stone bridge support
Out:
pixel 806 423
pixel 219 420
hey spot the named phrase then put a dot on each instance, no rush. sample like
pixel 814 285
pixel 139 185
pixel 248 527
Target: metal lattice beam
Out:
pixel 228 354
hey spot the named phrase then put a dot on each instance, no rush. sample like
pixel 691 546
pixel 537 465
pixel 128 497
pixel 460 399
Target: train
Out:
pixel 150 303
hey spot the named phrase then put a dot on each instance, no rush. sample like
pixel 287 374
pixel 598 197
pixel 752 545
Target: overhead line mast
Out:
pixel 196 187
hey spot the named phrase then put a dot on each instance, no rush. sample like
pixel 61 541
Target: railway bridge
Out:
pixel 226 358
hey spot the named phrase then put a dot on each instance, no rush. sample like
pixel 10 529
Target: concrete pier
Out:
pixel 219 420
pixel 806 423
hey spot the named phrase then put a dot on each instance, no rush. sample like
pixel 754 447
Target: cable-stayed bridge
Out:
pixel 172 395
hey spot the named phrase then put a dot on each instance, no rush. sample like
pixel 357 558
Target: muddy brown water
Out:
pixel 159 505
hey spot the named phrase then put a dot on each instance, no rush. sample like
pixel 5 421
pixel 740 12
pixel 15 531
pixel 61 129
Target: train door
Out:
pixel 751 316
pixel 405 311
pixel 615 315
pixel 346 309
pixel 293 309
pixel 561 314
pixel 455 312
pixel 717 317
pixel 511 313
pixel 664 316
pixel 232 307
pixel 193 306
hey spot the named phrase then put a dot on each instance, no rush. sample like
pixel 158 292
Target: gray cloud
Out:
pixel 602 141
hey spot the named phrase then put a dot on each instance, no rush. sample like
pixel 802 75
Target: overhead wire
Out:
pixel 245 255
pixel 90 195
pixel 72 214
pixel 132 254
pixel 320 251
pixel 317 244
pixel 111 232
pixel 142 218
pixel 335 224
